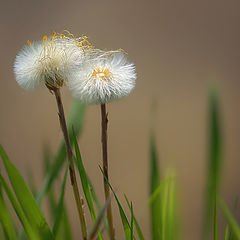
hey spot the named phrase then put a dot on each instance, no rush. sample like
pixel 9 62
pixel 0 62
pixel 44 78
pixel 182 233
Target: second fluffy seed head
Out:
pixel 103 77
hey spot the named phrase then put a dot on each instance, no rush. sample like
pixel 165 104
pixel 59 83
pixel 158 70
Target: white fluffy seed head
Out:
pixel 103 77
pixel 48 62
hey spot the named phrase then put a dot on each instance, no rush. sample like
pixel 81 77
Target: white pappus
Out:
pixel 47 62
pixel 103 77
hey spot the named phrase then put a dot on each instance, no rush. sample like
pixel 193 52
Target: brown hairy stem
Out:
pixel 71 163
pixel 105 169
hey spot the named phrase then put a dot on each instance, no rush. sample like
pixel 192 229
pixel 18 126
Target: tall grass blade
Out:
pixel 172 223
pixel 131 226
pixel 155 207
pixel 76 118
pixel 84 181
pixel 26 198
pixel 6 220
pixel 226 233
pixel 126 225
pixel 230 219
pixel 28 226
pixel 164 211
pixel 214 164
pixel 136 224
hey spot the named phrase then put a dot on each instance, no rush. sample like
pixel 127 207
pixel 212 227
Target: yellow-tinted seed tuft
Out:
pixel 104 74
pixel 44 38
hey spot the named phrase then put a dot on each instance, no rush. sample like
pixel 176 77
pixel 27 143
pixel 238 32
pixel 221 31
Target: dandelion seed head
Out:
pixel 47 62
pixel 104 76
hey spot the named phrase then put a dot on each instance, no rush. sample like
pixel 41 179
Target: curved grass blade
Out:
pixel 131 226
pixel 84 181
pixel 6 220
pixel 29 228
pixel 59 209
pixel 126 225
pixel 164 210
pixel 230 219
pixel 76 119
pixel 172 224
pixel 226 233
pixel 138 229
pixel 214 164
pixel 26 198
pixel 167 191
pixel 155 207
pixel 159 190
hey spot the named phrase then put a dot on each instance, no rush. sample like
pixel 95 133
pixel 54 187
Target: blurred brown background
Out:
pixel 179 48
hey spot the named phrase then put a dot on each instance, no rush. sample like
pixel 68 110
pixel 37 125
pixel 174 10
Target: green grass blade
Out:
pixel 29 228
pixel 168 209
pixel 159 190
pixel 226 233
pixel 76 119
pixel 126 225
pixel 84 178
pixel 26 198
pixel 131 226
pixel 59 209
pixel 230 219
pixel 172 225
pixel 136 224
pixel 155 207
pixel 214 164
pixel 165 212
pixel 6 220
pixel 84 181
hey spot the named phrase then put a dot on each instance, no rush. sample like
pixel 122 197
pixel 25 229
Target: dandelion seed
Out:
pixel 47 62
pixel 103 77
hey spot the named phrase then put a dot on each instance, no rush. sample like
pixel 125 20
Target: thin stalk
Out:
pixel 105 169
pixel 71 163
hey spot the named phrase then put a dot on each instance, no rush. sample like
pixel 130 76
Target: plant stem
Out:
pixel 105 169
pixel 71 163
